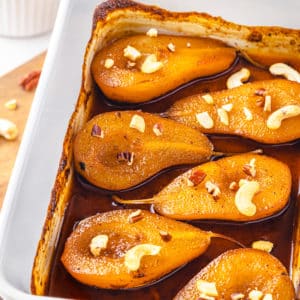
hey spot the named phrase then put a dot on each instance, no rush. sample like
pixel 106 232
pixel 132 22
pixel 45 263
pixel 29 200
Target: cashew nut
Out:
pixel 8 129
pixel 244 196
pixel 286 71
pixel 285 112
pixel 255 295
pixel 205 120
pixel 263 245
pixel 207 288
pixel 138 123
pixel 268 103
pixel 134 255
pixel 98 243
pixel 208 98
pixel 223 116
pixel 238 78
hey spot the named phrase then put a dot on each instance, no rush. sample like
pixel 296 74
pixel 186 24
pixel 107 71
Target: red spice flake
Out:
pixel 97 131
pixel 197 176
pixel 30 81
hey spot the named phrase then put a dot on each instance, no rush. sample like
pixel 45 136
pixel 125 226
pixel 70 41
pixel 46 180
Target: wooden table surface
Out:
pixel 10 89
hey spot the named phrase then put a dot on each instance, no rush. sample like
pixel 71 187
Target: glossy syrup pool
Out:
pixel 86 201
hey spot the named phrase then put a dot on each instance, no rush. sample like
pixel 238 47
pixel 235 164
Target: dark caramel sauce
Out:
pixel 86 201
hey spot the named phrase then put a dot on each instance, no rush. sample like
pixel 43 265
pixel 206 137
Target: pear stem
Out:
pixel 255 151
pixel 136 201
pixel 245 55
pixel 224 237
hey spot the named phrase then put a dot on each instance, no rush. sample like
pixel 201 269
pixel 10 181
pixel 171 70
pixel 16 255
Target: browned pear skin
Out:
pixel 122 157
pixel 191 58
pixel 241 271
pixel 184 243
pixel 182 200
pixel 252 96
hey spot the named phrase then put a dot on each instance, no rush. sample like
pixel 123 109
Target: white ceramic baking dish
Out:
pixel 29 190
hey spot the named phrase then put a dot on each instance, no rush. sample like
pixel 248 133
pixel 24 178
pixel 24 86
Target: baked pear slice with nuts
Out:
pixel 139 68
pixel 240 274
pixel 119 150
pixel 243 187
pixel 125 249
pixel 266 111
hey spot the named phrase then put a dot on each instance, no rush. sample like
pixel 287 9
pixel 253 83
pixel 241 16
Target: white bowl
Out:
pixel 23 18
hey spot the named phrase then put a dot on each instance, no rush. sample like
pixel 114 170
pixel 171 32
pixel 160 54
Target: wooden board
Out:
pixel 10 89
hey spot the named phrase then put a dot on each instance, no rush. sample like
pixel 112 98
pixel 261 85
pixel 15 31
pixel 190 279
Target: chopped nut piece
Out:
pixel 255 295
pixel 97 131
pixel 157 129
pixel 138 123
pixel 132 53
pixel 109 62
pixel 286 71
pixel 196 177
pixel 151 65
pixel 8 129
pixel 98 243
pixel 188 182
pixel 166 236
pixel 171 47
pixel 250 169
pixel 188 44
pixel 130 64
pixel 203 296
pixel 263 245
pixel 205 120
pixel 233 186
pixel 237 296
pixel 135 254
pixel 152 32
pixel 268 297
pixel 213 189
pixel 207 288
pixel 11 104
pixel 268 103
pixel 248 114
pixel 238 78
pixel 285 112
pixel 244 196
pixel 223 115
pixel 135 216
pixel 228 107
pixel 30 81
pixel 125 156
pixel 208 98
pixel 260 92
